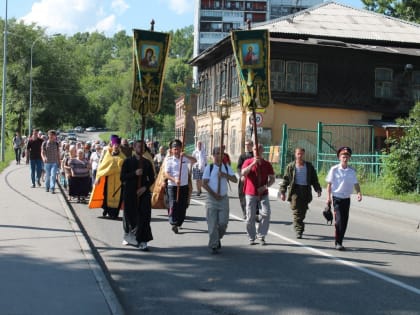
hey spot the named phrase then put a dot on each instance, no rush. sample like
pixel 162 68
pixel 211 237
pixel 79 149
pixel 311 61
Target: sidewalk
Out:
pixel 405 214
pixel 46 264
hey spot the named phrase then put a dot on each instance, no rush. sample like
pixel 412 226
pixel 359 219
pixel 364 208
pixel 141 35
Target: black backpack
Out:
pixel 227 172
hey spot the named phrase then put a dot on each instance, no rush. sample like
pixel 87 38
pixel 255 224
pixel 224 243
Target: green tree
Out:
pixel 408 10
pixel 182 43
pixel 85 79
pixel 403 162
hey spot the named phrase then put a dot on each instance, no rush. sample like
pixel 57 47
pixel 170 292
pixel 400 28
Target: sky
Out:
pixel 107 16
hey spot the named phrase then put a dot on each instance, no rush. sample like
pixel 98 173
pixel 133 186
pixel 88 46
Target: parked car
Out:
pixel 90 129
pixel 71 136
pixel 79 129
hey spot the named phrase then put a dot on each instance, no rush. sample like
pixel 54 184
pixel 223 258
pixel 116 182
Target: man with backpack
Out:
pixel 215 180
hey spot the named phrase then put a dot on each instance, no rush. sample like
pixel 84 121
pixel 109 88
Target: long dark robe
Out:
pixel 137 210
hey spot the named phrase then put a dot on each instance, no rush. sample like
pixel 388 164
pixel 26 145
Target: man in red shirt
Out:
pixel 259 175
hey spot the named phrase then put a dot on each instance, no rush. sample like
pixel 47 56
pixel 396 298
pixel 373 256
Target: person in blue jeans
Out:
pixel 33 156
pixel 51 156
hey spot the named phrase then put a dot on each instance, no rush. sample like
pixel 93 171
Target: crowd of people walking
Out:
pixel 124 175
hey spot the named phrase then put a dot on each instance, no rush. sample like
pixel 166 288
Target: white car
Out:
pixel 90 129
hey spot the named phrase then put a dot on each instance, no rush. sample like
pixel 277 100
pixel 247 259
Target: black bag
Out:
pixel 327 213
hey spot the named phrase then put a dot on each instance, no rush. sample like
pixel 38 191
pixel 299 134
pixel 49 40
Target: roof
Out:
pixel 334 24
pixel 334 20
pixel 385 124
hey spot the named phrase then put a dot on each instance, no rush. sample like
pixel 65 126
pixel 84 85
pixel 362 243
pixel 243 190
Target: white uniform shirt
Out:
pixel 172 168
pixel 342 181
pixel 213 178
pixel 201 157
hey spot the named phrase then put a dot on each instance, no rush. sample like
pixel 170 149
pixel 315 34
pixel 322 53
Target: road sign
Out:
pixel 258 117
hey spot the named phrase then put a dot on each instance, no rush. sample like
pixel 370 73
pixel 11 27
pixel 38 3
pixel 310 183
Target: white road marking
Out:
pixel 338 260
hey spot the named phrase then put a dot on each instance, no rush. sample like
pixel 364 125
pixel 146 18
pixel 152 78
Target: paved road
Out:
pixel 46 265
pixel 378 274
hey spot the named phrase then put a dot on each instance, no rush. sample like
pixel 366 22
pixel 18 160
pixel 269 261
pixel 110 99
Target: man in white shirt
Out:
pixel 176 171
pixel 341 180
pixel 215 180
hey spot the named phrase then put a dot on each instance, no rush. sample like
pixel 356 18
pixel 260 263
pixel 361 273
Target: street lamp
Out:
pixel 3 100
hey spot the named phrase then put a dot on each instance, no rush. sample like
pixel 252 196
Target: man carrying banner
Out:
pixel 259 175
pixel 217 203
pixel 137 198
pixel 176 171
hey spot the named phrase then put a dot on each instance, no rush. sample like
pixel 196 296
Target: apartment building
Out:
pixel 214 19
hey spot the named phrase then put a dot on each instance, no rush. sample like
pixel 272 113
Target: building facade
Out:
pixel 331 63
pixel 214 19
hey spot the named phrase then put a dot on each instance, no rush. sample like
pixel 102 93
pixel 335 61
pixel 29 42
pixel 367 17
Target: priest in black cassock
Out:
pixel 137 176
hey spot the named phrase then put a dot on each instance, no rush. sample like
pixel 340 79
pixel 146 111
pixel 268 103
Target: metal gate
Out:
pixel 321 146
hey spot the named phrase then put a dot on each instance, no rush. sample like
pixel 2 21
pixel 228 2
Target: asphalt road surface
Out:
pixel 378 274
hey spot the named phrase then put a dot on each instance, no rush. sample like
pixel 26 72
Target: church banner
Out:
pixel 252 52
pixel 150 50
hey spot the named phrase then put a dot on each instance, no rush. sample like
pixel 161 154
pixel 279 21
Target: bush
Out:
pixel 403 163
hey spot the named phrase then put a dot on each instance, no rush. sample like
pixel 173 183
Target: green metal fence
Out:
pixel 321 145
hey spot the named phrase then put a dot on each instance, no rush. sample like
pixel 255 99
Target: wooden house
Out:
pixel 330 63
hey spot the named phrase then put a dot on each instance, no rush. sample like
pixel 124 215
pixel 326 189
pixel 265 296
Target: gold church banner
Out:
pixel 150 50
pixel 252 53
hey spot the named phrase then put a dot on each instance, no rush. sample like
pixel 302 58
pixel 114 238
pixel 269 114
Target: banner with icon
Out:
pixel 252 53
pixel 150 50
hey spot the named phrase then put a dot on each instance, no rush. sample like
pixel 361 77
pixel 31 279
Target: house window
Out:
pixel 294 76
pixel 383 82
pixel 309 78
pixel 293 82
pixel 235 81
pixel 277 75
pixel 209 95
pixel 206 96
pixel 218 87
pixel 416 85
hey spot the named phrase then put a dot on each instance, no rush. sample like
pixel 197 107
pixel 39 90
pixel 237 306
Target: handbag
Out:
pixel 327 213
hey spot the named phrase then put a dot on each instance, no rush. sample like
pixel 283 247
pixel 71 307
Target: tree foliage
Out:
pixel 84 79
pixel 403 163
pixel 408 10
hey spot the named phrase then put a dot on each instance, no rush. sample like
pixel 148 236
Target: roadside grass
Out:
pixel 9 156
